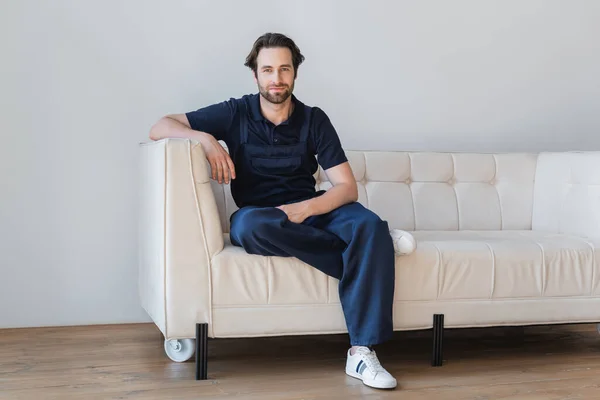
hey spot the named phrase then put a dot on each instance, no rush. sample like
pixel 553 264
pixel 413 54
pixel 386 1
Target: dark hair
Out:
pixel 269 40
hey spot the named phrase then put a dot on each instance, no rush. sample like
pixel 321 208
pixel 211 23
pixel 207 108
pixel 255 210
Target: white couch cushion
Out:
pixel 434 191
pixel 481 265
pixel 246 279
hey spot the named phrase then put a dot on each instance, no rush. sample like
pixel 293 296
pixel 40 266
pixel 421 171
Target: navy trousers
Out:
pixel 350 243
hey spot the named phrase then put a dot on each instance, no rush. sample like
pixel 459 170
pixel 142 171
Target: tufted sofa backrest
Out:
pixel 434 191
pixel 567 193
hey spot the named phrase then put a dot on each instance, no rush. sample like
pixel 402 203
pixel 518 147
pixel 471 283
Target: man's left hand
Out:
pixel 297 212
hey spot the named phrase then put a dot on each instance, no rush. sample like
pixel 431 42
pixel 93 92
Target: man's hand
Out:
pixel 220 162
pixel 178 126
pixel 297 212
pixel 344 191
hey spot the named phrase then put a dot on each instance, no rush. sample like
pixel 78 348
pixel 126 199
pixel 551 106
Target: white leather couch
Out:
pixel 502 239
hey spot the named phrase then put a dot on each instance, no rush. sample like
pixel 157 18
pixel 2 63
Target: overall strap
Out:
pixel 305 130
pixel 243 122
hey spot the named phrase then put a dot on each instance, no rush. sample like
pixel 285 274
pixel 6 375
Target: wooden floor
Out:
pixel 128 362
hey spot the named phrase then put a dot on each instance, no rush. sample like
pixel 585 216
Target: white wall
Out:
pixel 81 82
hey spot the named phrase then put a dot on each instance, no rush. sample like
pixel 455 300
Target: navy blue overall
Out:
pixel 350 243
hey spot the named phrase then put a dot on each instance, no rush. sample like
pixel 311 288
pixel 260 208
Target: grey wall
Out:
pixel 82 82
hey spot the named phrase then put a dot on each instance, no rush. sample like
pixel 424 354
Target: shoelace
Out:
pixel 372 361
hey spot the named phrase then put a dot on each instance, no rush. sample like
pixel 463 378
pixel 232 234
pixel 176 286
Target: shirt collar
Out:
pixel 257 115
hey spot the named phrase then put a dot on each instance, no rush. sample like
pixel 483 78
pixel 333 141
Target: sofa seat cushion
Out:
pixel 477 265
pixel 446 266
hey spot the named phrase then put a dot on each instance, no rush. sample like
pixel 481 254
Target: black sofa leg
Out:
pixel 438 340
pixel 201 352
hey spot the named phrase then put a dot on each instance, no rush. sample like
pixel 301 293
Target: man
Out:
pixel 272 139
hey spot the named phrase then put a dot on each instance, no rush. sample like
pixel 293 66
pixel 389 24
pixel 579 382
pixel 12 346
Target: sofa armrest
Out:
pixel 180 231
pixel 567 194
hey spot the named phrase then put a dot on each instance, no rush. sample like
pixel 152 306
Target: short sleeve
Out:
pixel 215 119
pixel 328 146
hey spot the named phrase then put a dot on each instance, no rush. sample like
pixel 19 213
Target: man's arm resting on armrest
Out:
pixel 178 126
pixel 175 126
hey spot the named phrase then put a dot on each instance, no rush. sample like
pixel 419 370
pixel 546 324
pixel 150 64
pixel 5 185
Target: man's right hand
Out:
pixel 221 164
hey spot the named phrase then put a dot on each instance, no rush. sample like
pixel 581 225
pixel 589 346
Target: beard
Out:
pixel 276 97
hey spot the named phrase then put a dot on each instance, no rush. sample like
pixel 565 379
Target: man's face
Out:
pixel 275 74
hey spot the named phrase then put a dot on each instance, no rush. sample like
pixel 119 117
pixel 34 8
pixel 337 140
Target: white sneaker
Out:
pixel 365 366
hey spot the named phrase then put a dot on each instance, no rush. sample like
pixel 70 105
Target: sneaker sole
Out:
pixel 371 383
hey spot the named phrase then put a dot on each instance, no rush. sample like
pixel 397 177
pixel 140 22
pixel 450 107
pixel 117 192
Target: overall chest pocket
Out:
pixel 276 165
